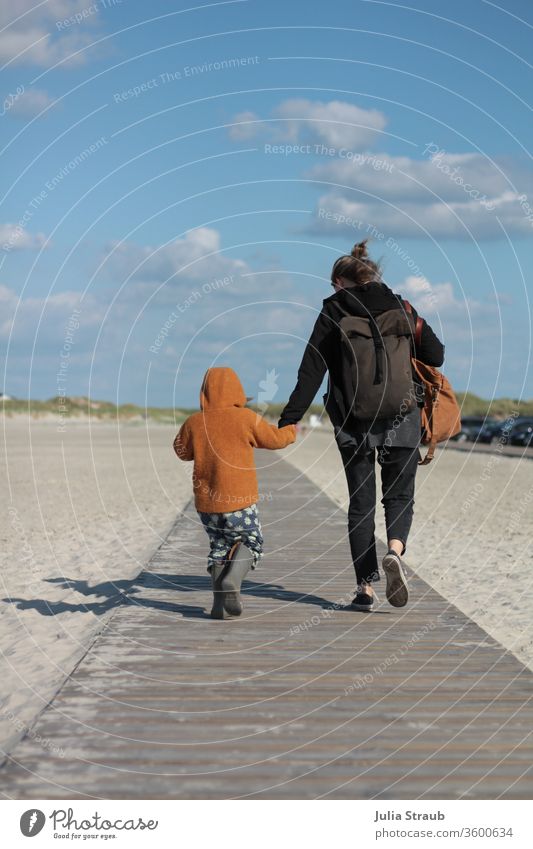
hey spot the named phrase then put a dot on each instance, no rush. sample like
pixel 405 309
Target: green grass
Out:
pixel 500 408
pixel 471 405
pixel 101 410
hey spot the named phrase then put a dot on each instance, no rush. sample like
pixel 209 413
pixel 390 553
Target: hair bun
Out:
pixel 359 250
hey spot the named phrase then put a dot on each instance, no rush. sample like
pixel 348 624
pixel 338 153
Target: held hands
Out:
pixel 292 429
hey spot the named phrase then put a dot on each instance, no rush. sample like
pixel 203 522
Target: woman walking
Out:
pixel 361 291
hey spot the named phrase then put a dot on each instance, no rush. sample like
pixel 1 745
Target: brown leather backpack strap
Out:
pixel 418 331
pixel 429 456
pixel 416 365
pixel 419 323
pixel 435 391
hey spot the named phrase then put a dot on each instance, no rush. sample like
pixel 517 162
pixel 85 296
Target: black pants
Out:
pixel 398 472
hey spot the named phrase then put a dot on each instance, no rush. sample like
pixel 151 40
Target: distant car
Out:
pixel 523 434
pixel 503 430
pixel 490 431
pixel 471 427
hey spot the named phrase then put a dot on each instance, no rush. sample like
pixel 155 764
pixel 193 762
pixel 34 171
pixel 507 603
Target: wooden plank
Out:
pixel 300 698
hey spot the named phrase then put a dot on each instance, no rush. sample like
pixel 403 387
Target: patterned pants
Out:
pixel 224 529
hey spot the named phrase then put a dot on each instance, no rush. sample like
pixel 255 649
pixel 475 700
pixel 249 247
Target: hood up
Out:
pixel 221 387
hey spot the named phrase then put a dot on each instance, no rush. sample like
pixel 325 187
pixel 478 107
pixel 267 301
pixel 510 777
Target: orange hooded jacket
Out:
pixel 220 439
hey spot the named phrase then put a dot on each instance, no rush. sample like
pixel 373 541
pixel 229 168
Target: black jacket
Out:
pixel 322 352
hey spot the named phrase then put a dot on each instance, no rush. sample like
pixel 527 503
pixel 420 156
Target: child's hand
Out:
pixel 271 436
pixel 291 428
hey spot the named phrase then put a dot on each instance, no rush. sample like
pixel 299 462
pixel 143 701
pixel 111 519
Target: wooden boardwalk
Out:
pixel 301 698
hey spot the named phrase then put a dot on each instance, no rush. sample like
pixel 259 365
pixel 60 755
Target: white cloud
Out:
pixel 48 32
pixel 349 129
pixel 466 219
pixel 484 342
pixel 15 238
pixel 441 299
pixel 193 258
pixel 448 195
pixel 244 128
pixel 233 324
pixel 30 103
pixel 473 330
pixel 454 177
pixel 21 316
pixel 428 298
pixel 334 123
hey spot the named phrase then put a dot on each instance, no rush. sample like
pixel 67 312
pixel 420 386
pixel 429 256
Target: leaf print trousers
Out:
pixel 224 529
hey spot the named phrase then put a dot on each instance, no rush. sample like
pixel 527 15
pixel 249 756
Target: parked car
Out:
pixel 503 430
pixel 471 427
pixel 523 434
pixel 490 431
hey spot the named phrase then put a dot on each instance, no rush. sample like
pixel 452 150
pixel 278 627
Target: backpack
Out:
pixel 441 414
pixel 376 372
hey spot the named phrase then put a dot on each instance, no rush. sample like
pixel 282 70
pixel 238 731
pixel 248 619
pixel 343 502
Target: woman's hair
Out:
pixel 357 266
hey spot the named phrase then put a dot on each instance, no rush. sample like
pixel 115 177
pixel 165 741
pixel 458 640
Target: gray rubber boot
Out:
pixel 240 561
pixel 217 611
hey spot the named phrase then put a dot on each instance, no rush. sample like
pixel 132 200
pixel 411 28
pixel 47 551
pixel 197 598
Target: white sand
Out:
pixel 472 531
pixel 88 506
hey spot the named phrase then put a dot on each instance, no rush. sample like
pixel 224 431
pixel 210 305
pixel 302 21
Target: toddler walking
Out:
pixel 220 439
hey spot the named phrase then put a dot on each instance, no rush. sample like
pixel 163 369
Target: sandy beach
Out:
pixel 83 512
pixel 85 509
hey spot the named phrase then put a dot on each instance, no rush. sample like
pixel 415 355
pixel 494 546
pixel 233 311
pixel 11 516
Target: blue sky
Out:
pixel 179 179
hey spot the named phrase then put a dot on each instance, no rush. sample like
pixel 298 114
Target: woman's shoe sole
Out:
pixel 396 591
pixel 367 607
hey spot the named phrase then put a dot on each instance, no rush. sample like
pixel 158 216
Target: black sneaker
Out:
pixel 362 600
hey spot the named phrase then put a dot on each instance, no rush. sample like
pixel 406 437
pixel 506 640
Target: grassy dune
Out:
pixel 471 405
pixel 86 407
pixel 500 408
pixel 82 407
